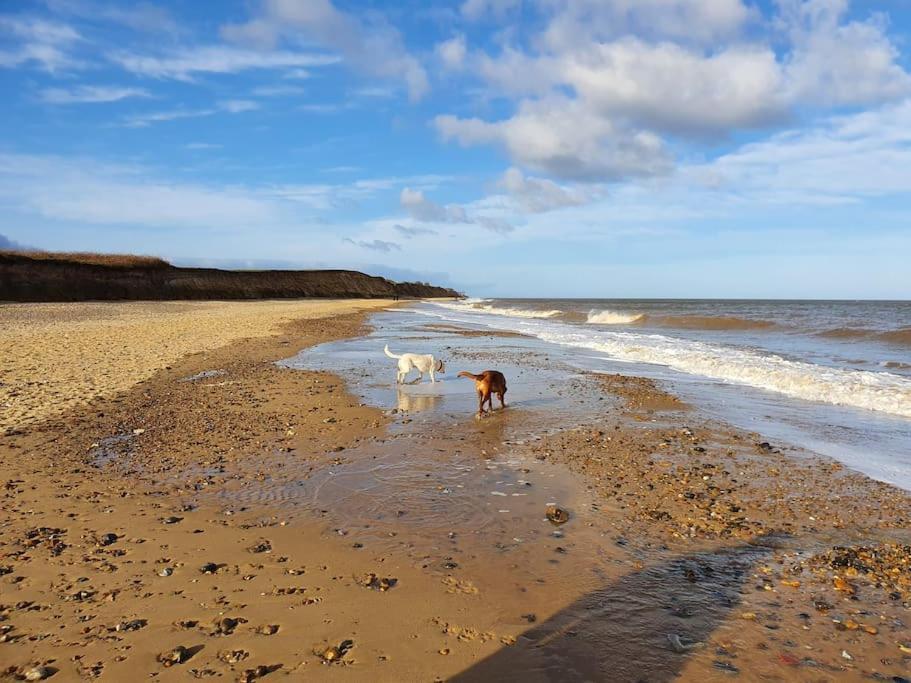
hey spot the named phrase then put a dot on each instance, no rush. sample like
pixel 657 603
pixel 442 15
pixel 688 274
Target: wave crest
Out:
pixel 606 317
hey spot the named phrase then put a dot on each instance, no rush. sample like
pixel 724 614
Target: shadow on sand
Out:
pixel 624 631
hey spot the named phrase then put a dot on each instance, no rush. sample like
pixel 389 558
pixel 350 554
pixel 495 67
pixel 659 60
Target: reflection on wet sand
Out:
pixel 411 403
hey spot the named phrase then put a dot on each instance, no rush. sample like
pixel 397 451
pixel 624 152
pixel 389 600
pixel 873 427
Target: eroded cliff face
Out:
pixel 23 278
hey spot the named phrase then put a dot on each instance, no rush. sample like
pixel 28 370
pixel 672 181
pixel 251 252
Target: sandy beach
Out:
pixel 178 506
pixel 56 356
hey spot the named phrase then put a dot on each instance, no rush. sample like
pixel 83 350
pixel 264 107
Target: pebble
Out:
pixel 39 673
pixel 178 655
pixel 556 514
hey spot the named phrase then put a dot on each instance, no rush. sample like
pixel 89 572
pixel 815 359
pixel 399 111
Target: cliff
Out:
pixel 41 276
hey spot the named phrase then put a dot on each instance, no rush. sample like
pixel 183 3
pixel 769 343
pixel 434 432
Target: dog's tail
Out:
pixel 389 353
pixel 469 375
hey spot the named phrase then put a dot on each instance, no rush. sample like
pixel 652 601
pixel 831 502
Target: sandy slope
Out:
pixel 56 356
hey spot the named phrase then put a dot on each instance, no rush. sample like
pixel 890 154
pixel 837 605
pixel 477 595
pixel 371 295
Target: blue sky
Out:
pixel 592 148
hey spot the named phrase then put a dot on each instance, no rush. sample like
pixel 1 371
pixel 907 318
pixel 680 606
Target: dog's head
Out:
pixel 441 366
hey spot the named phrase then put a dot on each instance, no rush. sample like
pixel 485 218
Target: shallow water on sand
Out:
pixel 459 497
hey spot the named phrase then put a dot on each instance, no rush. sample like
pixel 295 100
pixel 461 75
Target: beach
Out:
pixel 238 490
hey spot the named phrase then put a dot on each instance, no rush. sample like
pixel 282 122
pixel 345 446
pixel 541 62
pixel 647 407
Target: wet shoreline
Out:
pixel 691 551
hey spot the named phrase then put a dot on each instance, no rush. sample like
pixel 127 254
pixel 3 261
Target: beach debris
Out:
pixel 107 539
pixel 334 653
pixel 530 617
pixel 250 675
pixel 48 537
pixel 726 667
pixel 263 546
pixel 376 583
pixel 132 625
pixel 233 656
pixel 38 673
pixel 556 514
pixel 165 571
pixel 679 646
pixel 177 655
pixel 224 626
pixel 211 568
pixel 268 629
pixel 173 519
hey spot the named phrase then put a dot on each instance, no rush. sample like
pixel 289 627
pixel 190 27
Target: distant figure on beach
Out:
pixel 488 383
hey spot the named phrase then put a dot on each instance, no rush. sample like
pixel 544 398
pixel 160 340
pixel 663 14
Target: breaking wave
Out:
pixel 880 391
pixel 613 318
pixel 481 306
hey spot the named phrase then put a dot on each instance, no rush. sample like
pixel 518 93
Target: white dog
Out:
pixel 421 363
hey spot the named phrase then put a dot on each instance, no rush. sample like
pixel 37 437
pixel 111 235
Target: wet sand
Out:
pixel 258 516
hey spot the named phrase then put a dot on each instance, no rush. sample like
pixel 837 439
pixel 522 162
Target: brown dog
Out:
pixel 488 383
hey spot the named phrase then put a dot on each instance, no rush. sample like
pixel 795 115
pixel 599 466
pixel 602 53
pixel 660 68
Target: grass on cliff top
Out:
pixel 87 258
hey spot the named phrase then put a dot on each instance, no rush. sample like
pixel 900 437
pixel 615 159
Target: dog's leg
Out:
pixel 502 402
pixel 433 379
pixel 480 403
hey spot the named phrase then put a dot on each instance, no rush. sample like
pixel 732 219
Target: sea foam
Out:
pixel 881 391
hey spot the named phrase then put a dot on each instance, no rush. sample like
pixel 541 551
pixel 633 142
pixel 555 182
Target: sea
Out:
pixel 828 377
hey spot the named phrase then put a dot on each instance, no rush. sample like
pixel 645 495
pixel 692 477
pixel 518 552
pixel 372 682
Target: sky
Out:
pixel 528 148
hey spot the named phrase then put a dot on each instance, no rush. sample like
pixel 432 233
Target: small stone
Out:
pixel 261 547
pixel 178 655
pixel 39 673
pixel 335 652
pixel 556 514
pixel 132 625
pixel 107 539
pixel 250 675
pixel 268 629
pixel 224 626
pixel 233 656
pixel 376 583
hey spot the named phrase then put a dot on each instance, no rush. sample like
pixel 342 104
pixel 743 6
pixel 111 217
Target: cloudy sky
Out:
pixel 603 148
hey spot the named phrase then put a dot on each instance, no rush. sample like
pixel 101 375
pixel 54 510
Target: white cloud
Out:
pixel 90 94
pixel 538 195
pixel 185 63
pixel 238 106
pixel 375 245
pixel 425 210
pixel 688 21
pixel 226 106
pixel 140 16
pixel 837 63
pixel 278 91
pixel 414 230
pixel 452 52
pixel 605 87
pixel 365 40
pixel 474 10
pixel 43 43
pixel 422 209
pixel 562 137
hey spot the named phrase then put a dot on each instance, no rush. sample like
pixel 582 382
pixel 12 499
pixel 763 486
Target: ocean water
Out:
pixel 833 377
